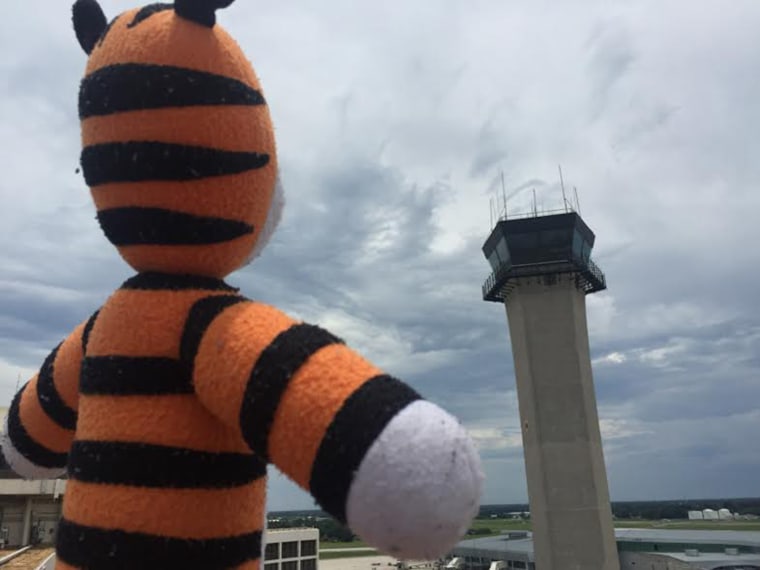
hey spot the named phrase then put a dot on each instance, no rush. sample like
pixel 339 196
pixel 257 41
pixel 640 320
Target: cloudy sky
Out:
pixel 394 121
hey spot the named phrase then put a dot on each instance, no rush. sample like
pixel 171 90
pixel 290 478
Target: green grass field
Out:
pixel 498 526
pixel 691 525
pixel 327 555
pixel 330 545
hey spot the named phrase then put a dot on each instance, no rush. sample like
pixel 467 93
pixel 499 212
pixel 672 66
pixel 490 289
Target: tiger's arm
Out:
pixel 40 424
pixel 398 470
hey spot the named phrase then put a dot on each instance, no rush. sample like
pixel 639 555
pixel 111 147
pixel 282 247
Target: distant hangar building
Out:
pixel 711 515
pixel 638 549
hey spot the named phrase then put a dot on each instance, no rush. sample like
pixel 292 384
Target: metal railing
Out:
pixel 597 273
pixel 507 216
pixel 535 214
pixel 497 283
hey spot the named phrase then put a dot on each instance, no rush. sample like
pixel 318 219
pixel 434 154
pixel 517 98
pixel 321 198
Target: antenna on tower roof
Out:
pixel 577 203
pixel 504 194
pixel 562 184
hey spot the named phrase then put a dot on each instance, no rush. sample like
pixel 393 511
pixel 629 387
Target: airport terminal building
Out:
pixel 292 549
pixel 29 510
pixel 638 549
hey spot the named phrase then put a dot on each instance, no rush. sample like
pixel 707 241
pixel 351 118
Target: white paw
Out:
pixel 20 464
pixel 418 488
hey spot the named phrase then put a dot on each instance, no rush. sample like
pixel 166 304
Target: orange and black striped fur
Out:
pixel 166 406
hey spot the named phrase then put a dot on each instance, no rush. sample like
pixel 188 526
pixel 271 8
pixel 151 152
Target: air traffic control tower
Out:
pixel 542 272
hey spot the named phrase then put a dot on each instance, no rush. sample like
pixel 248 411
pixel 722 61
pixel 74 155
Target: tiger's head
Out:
pixel 178 144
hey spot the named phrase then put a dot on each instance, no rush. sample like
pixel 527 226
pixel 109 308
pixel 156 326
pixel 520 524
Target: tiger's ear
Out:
pixel 200 11
pixel 89 23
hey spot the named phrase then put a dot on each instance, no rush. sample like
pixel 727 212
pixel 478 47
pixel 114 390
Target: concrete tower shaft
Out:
pixel 542 271
pixel 567 481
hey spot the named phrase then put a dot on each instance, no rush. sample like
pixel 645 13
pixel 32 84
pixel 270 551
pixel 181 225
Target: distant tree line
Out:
pixel 502 511
pixel 647 510
pixel 653 510
pixel 330 530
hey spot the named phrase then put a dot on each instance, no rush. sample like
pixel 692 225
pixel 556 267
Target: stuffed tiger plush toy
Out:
pixel 165 407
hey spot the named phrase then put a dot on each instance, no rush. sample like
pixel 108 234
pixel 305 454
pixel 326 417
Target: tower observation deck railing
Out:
pixel 589 278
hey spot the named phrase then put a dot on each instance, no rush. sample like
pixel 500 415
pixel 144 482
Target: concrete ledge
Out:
pixel 34 488
pixel 13 555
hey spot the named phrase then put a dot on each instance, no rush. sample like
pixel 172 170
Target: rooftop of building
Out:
pixel 714 558
pixel 717 539
pixel 498 543
pixel 738 537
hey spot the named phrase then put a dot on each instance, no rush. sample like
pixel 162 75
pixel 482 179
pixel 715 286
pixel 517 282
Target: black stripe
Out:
pixel 357 425
pixel 133 376
pixel 152 281
pixel 141 161
pixel 133 87
pixel 87 330
pixel 156 226
pixel 270 377
pixel 25 445
pixel 147 11
pixel 144 465
pixel 49 398
pixel 200 317
pixel 101 549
